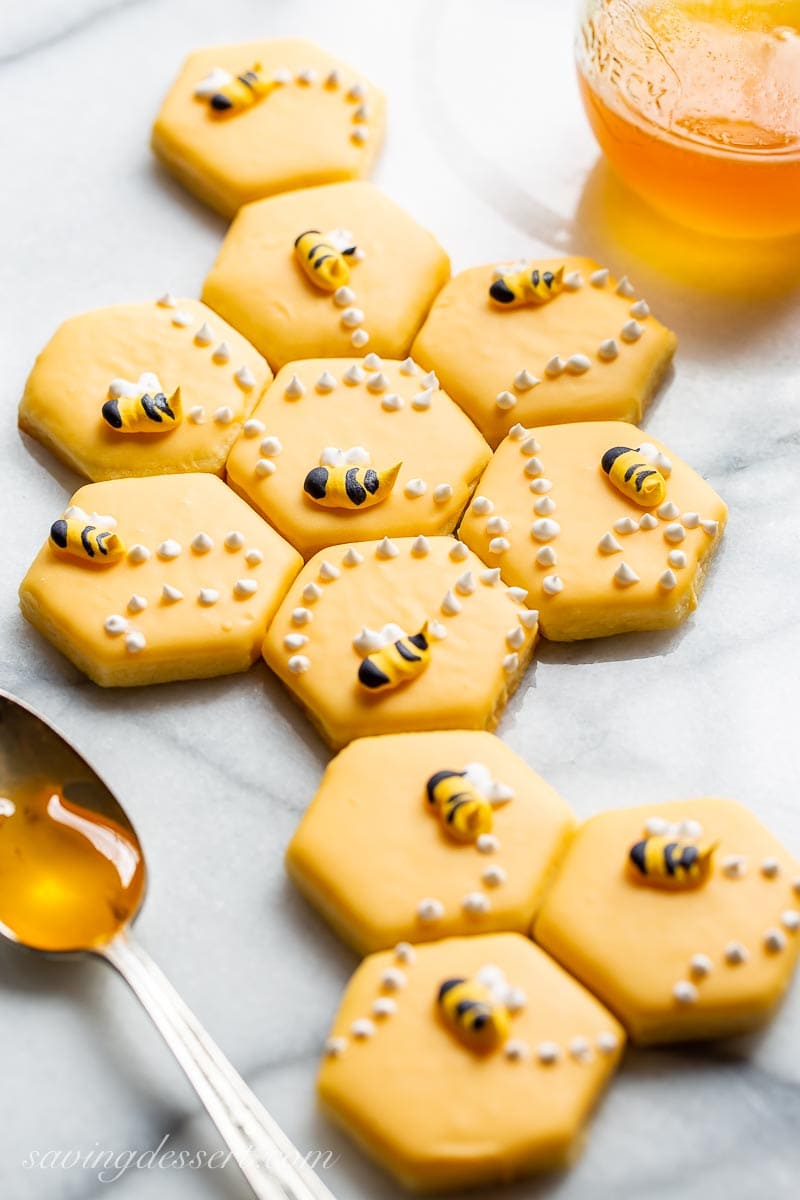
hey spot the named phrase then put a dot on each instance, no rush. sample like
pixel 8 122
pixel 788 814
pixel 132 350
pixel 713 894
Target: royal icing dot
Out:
pixel 201 543
pixel 298 664
pixel 115 625
pixel 245 587
pixel 430 909
pixel 253 427
pixel 137 603
pixel 208 596
pixel 168 549
pixel 135 642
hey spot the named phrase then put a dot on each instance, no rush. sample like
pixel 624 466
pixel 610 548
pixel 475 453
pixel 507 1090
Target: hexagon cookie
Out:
pixel 416 836
pixel 588 352
pixel 327 421
pixel 363 283
pixel 399 635
pixel 150 580
pixel 683 918
pixel 92 396
pixel 600 551
pixel 444 1105
pixel 303 118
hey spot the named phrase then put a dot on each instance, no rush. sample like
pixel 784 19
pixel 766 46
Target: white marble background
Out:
pixel 488 147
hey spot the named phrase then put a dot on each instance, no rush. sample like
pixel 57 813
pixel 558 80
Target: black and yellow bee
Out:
pixel 349 487
pixel 243 91
pixel 473 1014
pixel 323 262
pixel 633 476
pixel 149 412
pixel 79 539
pixel 671 862
pixel 397 663
pixel 464 812
pixel 529 286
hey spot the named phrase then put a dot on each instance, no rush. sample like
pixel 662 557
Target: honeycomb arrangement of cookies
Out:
pixel 389 483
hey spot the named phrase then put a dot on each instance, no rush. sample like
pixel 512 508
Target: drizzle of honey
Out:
pixel 697 106
pixel 70 878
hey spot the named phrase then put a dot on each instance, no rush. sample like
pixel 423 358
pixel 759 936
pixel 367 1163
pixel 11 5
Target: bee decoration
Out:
pixel 84 538
pixel 673 862
pixel 349 487
pixel 465 800
pixel 473 1014
pixel 141 407
pixel 228 94
pixel 325 258
pixel 397 662
pixel 631 473
pixel 528 286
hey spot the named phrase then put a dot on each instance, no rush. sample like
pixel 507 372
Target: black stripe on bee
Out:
pixel 370 675
pixel 111 413
pixel 248 79
pixel 151 407
pixel 448 984
pixel 356 494
pixel 221 103
pixel 548 278
pixel 87 545
pixel 315 248
pixel 304 234
pixel 611 456
pixel 637 856
pixel 371 481
pixel 454 804
pixel 58 532
pixel 535 276
pixel 405 653
pixel 315 483
pixel 101 540
pixel 436 779
pixel 670 861
pixel 421 642
pixel 642 475
pixel 501 292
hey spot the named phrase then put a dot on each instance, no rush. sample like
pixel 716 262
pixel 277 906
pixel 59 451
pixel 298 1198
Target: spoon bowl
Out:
pixel 73 879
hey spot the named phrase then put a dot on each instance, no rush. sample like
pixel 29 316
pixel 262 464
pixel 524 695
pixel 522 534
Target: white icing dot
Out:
pixel 458 552
pixel 533 467
pixel 685 992
pixel 700 965
pixel 529 618
pixel 253 428
pixel 182 319
pixel 517 432
pixel 326 382
pixel 677 558
pixel 442 492
pixel 497 525
pixel 493 876
pixel 372 362
pixel 351 318
pixel 298 664
pixel 429 910
pixel 224 415
pixel 607 1042
pixel 516 1050
pixel 170 594
pixel 770 868
pixel 505 400
pixel 437 630
pixel 544 506
pixel 363 1028
pixel 465 584
pixel 451 604
pixel 208 596
pixel 222 354
pixel 530 446
pixel 351 557
pixel 422 400
pixel 625 288
pixel 343 297
pixel 487 843
pixel 482 505
pixel 204 335
pixel 115 625
pixel 135 641
pixel 608 544
pixel 691 520
pixel 169 549
pixel 386 549
pixel 573 281
pixel 674 532
pixel 544 530
pixel 197 415
pixel 138 553
pixel 631 331
pixel 541 485
pixel 517 594
pixel 710 527
pixel 626 575
pixel 392 402
pixel 648 521
pixel 354 375
pixel 626 525
pixel 775 940
pixel 790 919
pixel 578 364
pixel 608 350
pixel 552 585
pixel 311 592
pixel 306 76
pixel 515 638
pixel 476 903
pixel 736 954
pixel 234 540
pixel 201 543
pixel 408 367
pixel 271 446
pixel 668 510
pixel 420 547
pixel 548 1053
pixel 554 366
pixel 378 382
pixel 668 579
pixel 511 663
pixel 599 278
pixel 734 866
pixel 245 587
pixel 328 572
pixel 245 378
pixel 490 577
pixel 499 545
pixel 580 1049
pixel 167 301
pixel 359 338
pixel 137 603
pixel 263 468
pixel 393 979
pixel 640 309
pixel 335 1047
pixel 384 1007
pixel 524 380
pixel 404 952
pixel 295 388
pixel 295 641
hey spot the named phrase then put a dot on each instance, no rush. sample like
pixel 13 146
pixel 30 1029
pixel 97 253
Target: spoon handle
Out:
pixel 272 1165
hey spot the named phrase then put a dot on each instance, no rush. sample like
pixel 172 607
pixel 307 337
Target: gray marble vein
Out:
pixel 487 147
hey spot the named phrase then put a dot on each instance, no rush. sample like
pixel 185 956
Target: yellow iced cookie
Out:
pixel 143 389
pixel 245 121
pixel 416 836
pixel 604 527
pixel 510 347
pixel 150 580
pixel 261 286
pixel 708 955
pixel 351 603
pixel 468 1061
pixel 341 450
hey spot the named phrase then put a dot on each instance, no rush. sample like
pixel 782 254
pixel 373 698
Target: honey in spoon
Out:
pixel 70 877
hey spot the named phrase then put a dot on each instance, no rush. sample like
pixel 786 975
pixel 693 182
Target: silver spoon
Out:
pixel 72 880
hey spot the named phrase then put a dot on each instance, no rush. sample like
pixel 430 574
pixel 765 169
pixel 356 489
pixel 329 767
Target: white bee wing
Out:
pixel 392 633
pixel 499 793
pixel 122 387
pixel 357 456
pixel 73 513
pixel 217 78
pixel 149 382
pixel 479 776
pixel 368 641
pixel 332 456
pixel 342 239
pixel 104 521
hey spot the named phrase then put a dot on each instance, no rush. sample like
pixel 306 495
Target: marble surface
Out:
pixel 488 147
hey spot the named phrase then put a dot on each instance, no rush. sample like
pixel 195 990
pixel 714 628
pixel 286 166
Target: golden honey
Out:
pixel 70 878
pixel 697 107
